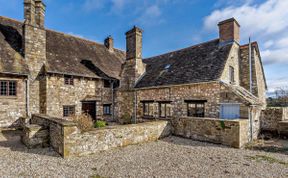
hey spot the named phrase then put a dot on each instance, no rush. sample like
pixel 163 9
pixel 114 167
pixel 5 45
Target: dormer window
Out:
pixel 68 80
pixel 231 74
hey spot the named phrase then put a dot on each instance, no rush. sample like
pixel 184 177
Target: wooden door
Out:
pixel 89 108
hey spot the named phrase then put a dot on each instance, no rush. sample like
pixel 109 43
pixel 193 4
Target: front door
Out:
pixel 90 109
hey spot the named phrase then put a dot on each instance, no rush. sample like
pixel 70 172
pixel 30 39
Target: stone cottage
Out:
pixel 52 73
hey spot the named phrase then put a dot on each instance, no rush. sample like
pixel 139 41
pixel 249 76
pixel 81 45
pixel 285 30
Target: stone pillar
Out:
pixel 229 31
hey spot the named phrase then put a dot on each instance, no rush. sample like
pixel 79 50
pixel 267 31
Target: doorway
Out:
pixel 90 109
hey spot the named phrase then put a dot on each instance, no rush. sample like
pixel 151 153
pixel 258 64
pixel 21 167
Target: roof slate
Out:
pixel 64 53
pixel 11 54
pixel 200 63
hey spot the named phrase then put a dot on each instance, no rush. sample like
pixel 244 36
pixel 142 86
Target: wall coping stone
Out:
pixel 61 122
pixel 213 119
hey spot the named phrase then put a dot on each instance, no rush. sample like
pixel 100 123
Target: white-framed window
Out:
pixel 68 111
pixel 107 109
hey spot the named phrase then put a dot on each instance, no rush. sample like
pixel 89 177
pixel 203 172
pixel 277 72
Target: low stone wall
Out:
pixel 116 136
pixel 58 129
pixel 227 132
pixel 271 117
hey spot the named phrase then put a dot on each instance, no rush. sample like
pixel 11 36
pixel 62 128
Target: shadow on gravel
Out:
pixel 12 139
pixel 274 145
pixel 190 142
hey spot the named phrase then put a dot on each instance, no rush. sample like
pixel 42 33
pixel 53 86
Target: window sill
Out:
pixel 148 117
pixel 9 97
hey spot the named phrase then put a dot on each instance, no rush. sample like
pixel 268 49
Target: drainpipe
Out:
pixel 27 98
pixel 113 103
pixel 251 90
pixel 135 107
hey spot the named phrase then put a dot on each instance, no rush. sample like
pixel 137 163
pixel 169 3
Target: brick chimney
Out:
pixel 229 31
pixel 109 43
pixel 134 68
pixel 40 13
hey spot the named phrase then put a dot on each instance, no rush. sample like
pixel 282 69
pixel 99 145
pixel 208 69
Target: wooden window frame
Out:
pixel 148 103
pixel 68 80
pixel 8 91
pixel 70 109
pixel 165 106
pixel 196 103
pixel 110 109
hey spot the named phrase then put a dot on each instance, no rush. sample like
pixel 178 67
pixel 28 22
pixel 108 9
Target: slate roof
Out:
pixel 11 55
pixel 64 53
pixel 200 63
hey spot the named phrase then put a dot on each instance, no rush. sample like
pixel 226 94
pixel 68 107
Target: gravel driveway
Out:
pixel 170 157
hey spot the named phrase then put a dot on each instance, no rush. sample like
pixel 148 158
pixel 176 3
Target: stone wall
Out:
pixel 13 107
pixel 35 56
pixel 227 132
pixel 233 61
pixel 58 130
pixel 178 94
pixel 271 117
pixel 117 136
pixel 58 94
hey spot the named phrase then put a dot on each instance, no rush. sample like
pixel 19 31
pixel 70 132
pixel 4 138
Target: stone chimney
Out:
pixel 229 31
pixel 29 12
pixel 134 43
pixel 109 43
pixel 34 45
pixel 134 68
pixel 40 13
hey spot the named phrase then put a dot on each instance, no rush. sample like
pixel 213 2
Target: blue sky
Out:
pixel 173 24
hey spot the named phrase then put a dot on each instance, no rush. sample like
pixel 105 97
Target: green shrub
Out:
pixel 125 119
pixel 99 124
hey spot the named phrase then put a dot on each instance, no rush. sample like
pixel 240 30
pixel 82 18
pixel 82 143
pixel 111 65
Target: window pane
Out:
pixel 196 109
pixel 151 110
pixel 68 111
pixel 168 110
pixel 12 88
pixel 3 88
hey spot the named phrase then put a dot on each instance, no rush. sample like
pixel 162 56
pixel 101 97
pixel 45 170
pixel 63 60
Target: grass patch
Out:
pixel 268 159
pixel 96 176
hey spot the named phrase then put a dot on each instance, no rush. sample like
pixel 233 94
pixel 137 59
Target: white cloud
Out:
pixel 90 5
pixel 151 16
pixel 267 23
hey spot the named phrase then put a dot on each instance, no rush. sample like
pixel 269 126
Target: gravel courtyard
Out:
pixel 170 157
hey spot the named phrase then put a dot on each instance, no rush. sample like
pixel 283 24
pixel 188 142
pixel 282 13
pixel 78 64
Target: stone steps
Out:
pixel 35 136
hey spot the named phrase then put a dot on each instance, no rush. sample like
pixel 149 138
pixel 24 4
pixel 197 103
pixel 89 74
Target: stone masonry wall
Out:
pixel 233 61
pixel 117 136
pixel 271 117
pixel 35 55
pixel 178 94
pixel 59 94
pixel 227 132
pixel 13 107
